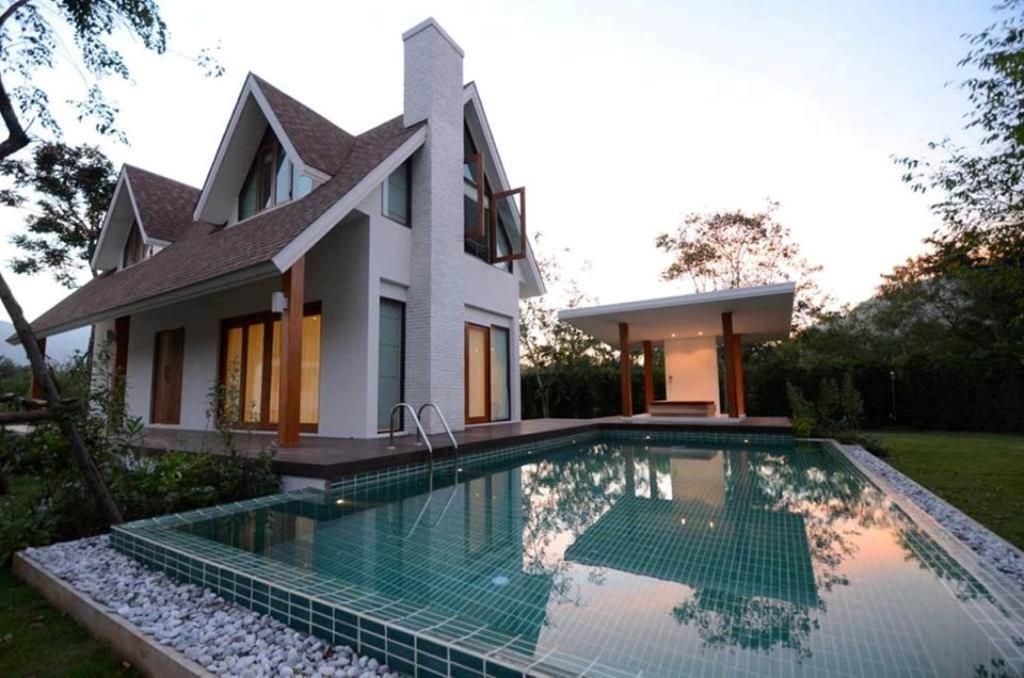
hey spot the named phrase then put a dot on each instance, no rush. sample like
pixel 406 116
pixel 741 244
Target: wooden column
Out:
pixel 737 371
pixel 733 368
pixel 648 375
pixel 625 371
pixel 290 379
pixel 122 333
pixel 37 388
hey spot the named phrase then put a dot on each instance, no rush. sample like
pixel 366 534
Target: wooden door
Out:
pixel 478 374
pixel 167 366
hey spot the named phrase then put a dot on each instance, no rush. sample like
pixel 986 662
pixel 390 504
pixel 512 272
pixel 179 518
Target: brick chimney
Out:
pixel 435 312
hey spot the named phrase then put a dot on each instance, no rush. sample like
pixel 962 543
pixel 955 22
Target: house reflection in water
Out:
pixel 711 529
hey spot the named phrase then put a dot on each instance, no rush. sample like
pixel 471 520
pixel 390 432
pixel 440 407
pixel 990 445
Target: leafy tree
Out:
pixel 30 43
pixel 551 348
pixel 72 186
pixel 724 250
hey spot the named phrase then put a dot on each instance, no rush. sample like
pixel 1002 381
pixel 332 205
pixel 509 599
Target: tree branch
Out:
pixel 9 12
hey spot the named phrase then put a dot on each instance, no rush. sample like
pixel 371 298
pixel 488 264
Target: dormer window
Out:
pixel 134 247
pixel 272 179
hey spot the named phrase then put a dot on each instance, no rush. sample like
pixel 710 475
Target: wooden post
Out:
pixel 625 371
pixel 648 375
pixel 733 367
pixel 122 335
pixel 37 387
pixel 730 383
pixel 290 379
pixel 737 371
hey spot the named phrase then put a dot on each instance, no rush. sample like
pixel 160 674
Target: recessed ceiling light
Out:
pixel 673 335
pixel 700 334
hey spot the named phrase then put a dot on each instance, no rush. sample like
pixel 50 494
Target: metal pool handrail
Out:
pixel 444 422
pixel 419 428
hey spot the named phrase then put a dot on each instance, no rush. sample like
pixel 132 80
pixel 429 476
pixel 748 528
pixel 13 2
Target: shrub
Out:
pixel 837 413
pixel 142 483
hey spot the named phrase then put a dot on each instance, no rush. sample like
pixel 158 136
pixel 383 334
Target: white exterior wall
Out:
pixel 691 370
pixel 336 275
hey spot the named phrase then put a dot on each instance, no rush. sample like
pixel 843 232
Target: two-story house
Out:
pixel 320 277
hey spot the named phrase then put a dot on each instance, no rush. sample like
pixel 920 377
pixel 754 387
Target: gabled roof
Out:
pixel 164 205
pixel 318 141
pixel 209 256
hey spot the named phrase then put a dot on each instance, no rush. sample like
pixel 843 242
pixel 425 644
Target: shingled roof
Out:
pixel 211 252
pixel 165 206
pixel 319 142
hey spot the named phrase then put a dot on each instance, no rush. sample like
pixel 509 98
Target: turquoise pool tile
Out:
pixel 609 554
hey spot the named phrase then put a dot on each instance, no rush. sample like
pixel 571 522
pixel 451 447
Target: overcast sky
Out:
pixel 618 117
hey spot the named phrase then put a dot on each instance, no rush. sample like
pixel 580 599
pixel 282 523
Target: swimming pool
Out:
pixel 611 554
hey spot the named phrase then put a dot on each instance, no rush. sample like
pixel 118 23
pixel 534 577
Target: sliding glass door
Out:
pixel 390 363
pixel 487 374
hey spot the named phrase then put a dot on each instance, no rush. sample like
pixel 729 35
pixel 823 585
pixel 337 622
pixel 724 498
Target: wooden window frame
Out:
pixel 267 319
pixel 256 169
pixel 156 366
pixel 486 418
pixel 514 256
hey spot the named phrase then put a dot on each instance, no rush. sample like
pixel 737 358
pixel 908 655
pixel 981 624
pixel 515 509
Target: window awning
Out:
pixel 758 314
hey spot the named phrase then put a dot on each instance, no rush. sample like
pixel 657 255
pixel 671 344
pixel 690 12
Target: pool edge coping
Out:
pixel 121 636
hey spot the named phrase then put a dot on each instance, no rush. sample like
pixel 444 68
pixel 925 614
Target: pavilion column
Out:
pixel 648 375
pixel 625 371
pixel 290 379
pixel 37 388
pixel 733 367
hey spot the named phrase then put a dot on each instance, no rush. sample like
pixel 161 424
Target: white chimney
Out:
pixel 435 313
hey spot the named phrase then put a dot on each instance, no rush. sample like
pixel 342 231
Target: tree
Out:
pixel 72 186
pixel 550 347
pixel 30 42
pixel 724 250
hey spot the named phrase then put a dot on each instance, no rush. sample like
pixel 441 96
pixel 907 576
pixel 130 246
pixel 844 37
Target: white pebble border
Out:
pixel 224 637
pixel 1006 557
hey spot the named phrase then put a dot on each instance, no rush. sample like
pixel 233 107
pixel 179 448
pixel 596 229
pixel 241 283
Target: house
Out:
pixel 320 277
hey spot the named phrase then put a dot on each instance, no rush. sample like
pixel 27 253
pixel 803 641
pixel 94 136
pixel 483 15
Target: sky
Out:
pixel 619 118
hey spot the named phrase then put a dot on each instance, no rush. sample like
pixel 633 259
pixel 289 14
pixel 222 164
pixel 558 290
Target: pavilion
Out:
pixel 691 327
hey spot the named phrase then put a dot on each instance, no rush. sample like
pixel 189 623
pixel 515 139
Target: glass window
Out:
pixel 390 349
pixel 301 185
pixel 271 179
pixel 396 195
pixel 500 399
pixel 134 247
pixel 250 345
pixel 283 180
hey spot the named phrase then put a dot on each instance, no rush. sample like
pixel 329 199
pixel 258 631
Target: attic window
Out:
pixel 271 180
pixel 134 247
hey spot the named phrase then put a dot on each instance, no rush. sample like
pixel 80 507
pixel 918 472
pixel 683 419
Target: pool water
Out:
pixel 616 557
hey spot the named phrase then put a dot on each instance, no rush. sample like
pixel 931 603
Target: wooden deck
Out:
pixel 332 458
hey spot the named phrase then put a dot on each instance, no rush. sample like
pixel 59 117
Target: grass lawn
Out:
pixel 37 640
pixel 981 474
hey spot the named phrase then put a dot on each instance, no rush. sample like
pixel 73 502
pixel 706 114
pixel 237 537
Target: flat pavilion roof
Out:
pixel 758 313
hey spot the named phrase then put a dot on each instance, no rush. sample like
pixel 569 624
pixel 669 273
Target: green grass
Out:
pixel 981 474
pixel 37 640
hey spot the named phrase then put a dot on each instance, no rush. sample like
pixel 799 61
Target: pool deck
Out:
pixel 328 458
